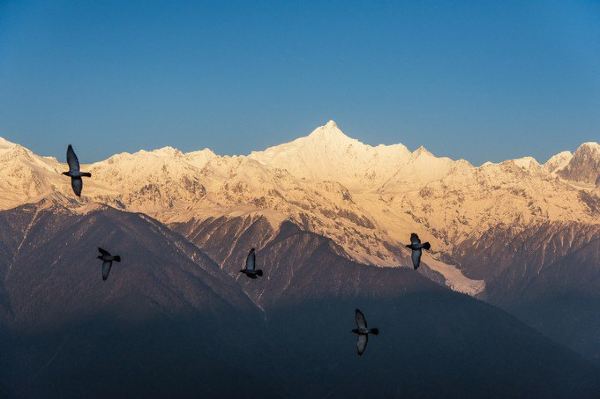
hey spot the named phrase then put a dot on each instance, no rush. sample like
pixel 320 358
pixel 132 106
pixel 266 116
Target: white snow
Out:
pixel 527 163
pixel 455 279
pixel 558 162
pixel 5 144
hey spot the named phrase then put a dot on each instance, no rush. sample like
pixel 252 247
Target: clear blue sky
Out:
pixel 476 80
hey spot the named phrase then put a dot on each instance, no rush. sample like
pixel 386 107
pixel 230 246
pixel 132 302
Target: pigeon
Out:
pixel 362 331
pixel 74 172
pixel 107 260
pixel 250 268
pixel 416 246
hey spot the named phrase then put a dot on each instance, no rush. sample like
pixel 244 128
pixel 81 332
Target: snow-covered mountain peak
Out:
pixel 331 133
pixel 203 153
pixel 10 150
pixel 331 124
pixel 558 161
pixel 143 155
pixel 329 154
pixel 200 158
pixel 167 151
pixel 421 151
pixel 527 163
pixel 589 147
pixel 5 144
pixel 584 166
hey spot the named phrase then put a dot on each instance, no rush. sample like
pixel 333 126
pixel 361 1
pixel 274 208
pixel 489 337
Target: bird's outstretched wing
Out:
pixel 414 239
pixel 361 344
pixel 416 258
pixel 251 261
pixel 72 159
pixel 106 269
pixel 361 322
pixel 104 251
pixel 77 185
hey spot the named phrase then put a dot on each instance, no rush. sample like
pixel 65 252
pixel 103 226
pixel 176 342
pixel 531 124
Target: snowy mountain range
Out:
pixel 322 211
pixel 367 199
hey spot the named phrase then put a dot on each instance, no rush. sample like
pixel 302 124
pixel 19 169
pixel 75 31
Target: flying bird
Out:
pixel 250 268
pixel 362 331
pixel 416 246
pixel 107 260
pixel 74 173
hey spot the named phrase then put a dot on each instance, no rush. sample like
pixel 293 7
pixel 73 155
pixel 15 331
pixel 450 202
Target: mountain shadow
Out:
pixel 167 323
pixel 547 275
pixel 433 342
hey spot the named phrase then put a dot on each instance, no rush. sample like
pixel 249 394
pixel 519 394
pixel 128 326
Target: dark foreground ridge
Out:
pixel 170 322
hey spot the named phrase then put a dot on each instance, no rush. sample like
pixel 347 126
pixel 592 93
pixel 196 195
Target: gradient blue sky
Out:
pixel 476 80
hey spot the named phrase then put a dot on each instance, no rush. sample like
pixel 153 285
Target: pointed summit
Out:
pixel 558 161
pixel 331 132
pixel 421 151
pixel 327 154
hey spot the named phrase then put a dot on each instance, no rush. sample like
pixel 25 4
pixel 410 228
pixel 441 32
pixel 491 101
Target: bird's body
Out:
pixel 362 331
pixel 250 268
pixel 417 249
pixel 74 173
pixel 107 260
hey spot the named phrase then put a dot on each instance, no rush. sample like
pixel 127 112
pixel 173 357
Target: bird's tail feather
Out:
pixel 86 174
pixel 259 273
pixel 117 258
pixel 427 245
pixel 374 331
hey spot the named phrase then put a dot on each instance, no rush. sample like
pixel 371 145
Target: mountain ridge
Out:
pixel 367 199
pixel 170 321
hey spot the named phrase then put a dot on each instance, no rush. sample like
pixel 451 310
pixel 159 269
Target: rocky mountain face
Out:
pixel 549 275
pixel 584 165
pixel 564 301
pixel 292 259
pixel 171 322
pixel 511 259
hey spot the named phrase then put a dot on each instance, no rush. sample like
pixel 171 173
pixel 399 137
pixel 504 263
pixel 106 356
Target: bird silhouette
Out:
pixel 362 331
pixel 416 247
pixel 107 260
pixel 74 173
pixel 250 269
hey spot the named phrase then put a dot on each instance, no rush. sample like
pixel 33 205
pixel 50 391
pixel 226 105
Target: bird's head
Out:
pixel 65 173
